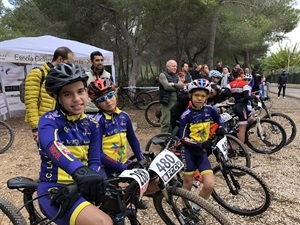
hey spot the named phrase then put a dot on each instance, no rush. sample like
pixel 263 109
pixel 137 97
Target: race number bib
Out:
pixel 226 117
pixel 259 104
pixel 166 164
pixel 222 145
pixel 141 176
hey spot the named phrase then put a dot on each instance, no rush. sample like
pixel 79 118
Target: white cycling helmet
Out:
pixel 214 73
pixel 202 84
pixel 248 76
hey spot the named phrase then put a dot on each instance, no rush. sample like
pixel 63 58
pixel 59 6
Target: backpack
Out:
pixel 22 84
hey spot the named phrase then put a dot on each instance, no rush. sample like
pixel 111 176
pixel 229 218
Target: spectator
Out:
pixel 69 151
pixel 196 72
pixel 97 70
pixel 37 101
pixel 185 70
pixel 219 66
pixel 226 77
pixel 281 83
pixel 268 85
pixel 204 71
pixel 169 85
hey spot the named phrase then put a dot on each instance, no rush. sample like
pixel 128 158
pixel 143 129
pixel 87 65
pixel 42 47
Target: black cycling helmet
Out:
pixel 63 74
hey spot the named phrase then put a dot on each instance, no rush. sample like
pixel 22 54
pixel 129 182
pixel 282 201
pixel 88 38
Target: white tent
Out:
pixel 18 56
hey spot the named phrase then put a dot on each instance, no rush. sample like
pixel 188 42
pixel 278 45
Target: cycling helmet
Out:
pixel 63 74
pixel 248 76
pixel 202 84
pixel 214 73
pixel 99 87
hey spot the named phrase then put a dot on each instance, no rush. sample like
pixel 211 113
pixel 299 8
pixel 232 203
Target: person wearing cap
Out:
pixel 281 83
pixel 97 70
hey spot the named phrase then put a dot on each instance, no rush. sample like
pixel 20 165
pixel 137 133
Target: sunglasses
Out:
pixel 247 79
pixel 107 96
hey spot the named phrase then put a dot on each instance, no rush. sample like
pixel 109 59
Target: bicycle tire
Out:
pixel 208 213
pixel 259 196
pixel 287 123
pixel 7 136
pixel 274 134
pixel 9 214
pixel 142 100
pixel 153 113
pixel 121 101
pixel 237 151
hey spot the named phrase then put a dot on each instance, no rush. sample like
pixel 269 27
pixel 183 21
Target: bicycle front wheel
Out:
pixel 179 209
pixel 246 195
pixel 153 113
pixel 9 213
pixel 142 100
pixel 271 139
pixel 7 136
pixel 287 123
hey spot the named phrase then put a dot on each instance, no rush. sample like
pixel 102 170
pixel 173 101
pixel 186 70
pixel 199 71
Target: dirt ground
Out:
pixel 280 170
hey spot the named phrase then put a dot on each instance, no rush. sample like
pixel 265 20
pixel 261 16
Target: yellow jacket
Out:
pixel 37 101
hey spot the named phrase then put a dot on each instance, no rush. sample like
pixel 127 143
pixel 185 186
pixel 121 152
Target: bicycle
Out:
pixel 153 113
pixel 7 136
pixel 118 199
pixel 262 135
pixel 241 181
pixel 238 152
pixel 139 100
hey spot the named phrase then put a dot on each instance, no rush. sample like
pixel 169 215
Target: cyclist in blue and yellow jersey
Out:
pixel 194 130
pixel 116 130
pixel 69 151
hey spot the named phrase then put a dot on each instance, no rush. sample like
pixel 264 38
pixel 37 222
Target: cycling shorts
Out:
pixel 193 159
pixel 241 110
pixel 51 211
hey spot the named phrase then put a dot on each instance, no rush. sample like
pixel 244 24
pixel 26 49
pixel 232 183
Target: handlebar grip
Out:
pixel 174 132
pixel 70 190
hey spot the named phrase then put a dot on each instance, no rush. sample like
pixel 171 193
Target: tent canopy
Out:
pixel 48 44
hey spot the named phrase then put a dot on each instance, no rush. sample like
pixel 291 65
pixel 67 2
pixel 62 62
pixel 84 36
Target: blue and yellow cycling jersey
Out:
pixel 67 144
pixel 195 124
pixel 116 131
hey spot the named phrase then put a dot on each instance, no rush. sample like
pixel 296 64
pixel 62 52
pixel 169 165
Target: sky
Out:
pixel 291 38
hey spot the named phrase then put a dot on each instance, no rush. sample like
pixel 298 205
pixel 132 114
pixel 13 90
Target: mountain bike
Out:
pixel 153 113
pixel 262 135
pixel 7 136
pixel 238 152
pixel 169 201
pixel 139 100
pixel 238 188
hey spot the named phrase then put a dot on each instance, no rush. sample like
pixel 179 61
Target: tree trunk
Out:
pixel 212 34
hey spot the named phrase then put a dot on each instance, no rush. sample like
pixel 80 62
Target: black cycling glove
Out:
pixel 90 183
pixel 220 132
pixel 207 145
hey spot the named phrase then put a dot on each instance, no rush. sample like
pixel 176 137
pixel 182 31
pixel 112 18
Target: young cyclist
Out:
pixel 194 132
pixel 69 151
pixel 240 90
pixel 115 129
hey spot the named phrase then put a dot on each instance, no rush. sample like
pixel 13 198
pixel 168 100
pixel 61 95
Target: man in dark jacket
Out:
pixel 281 83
